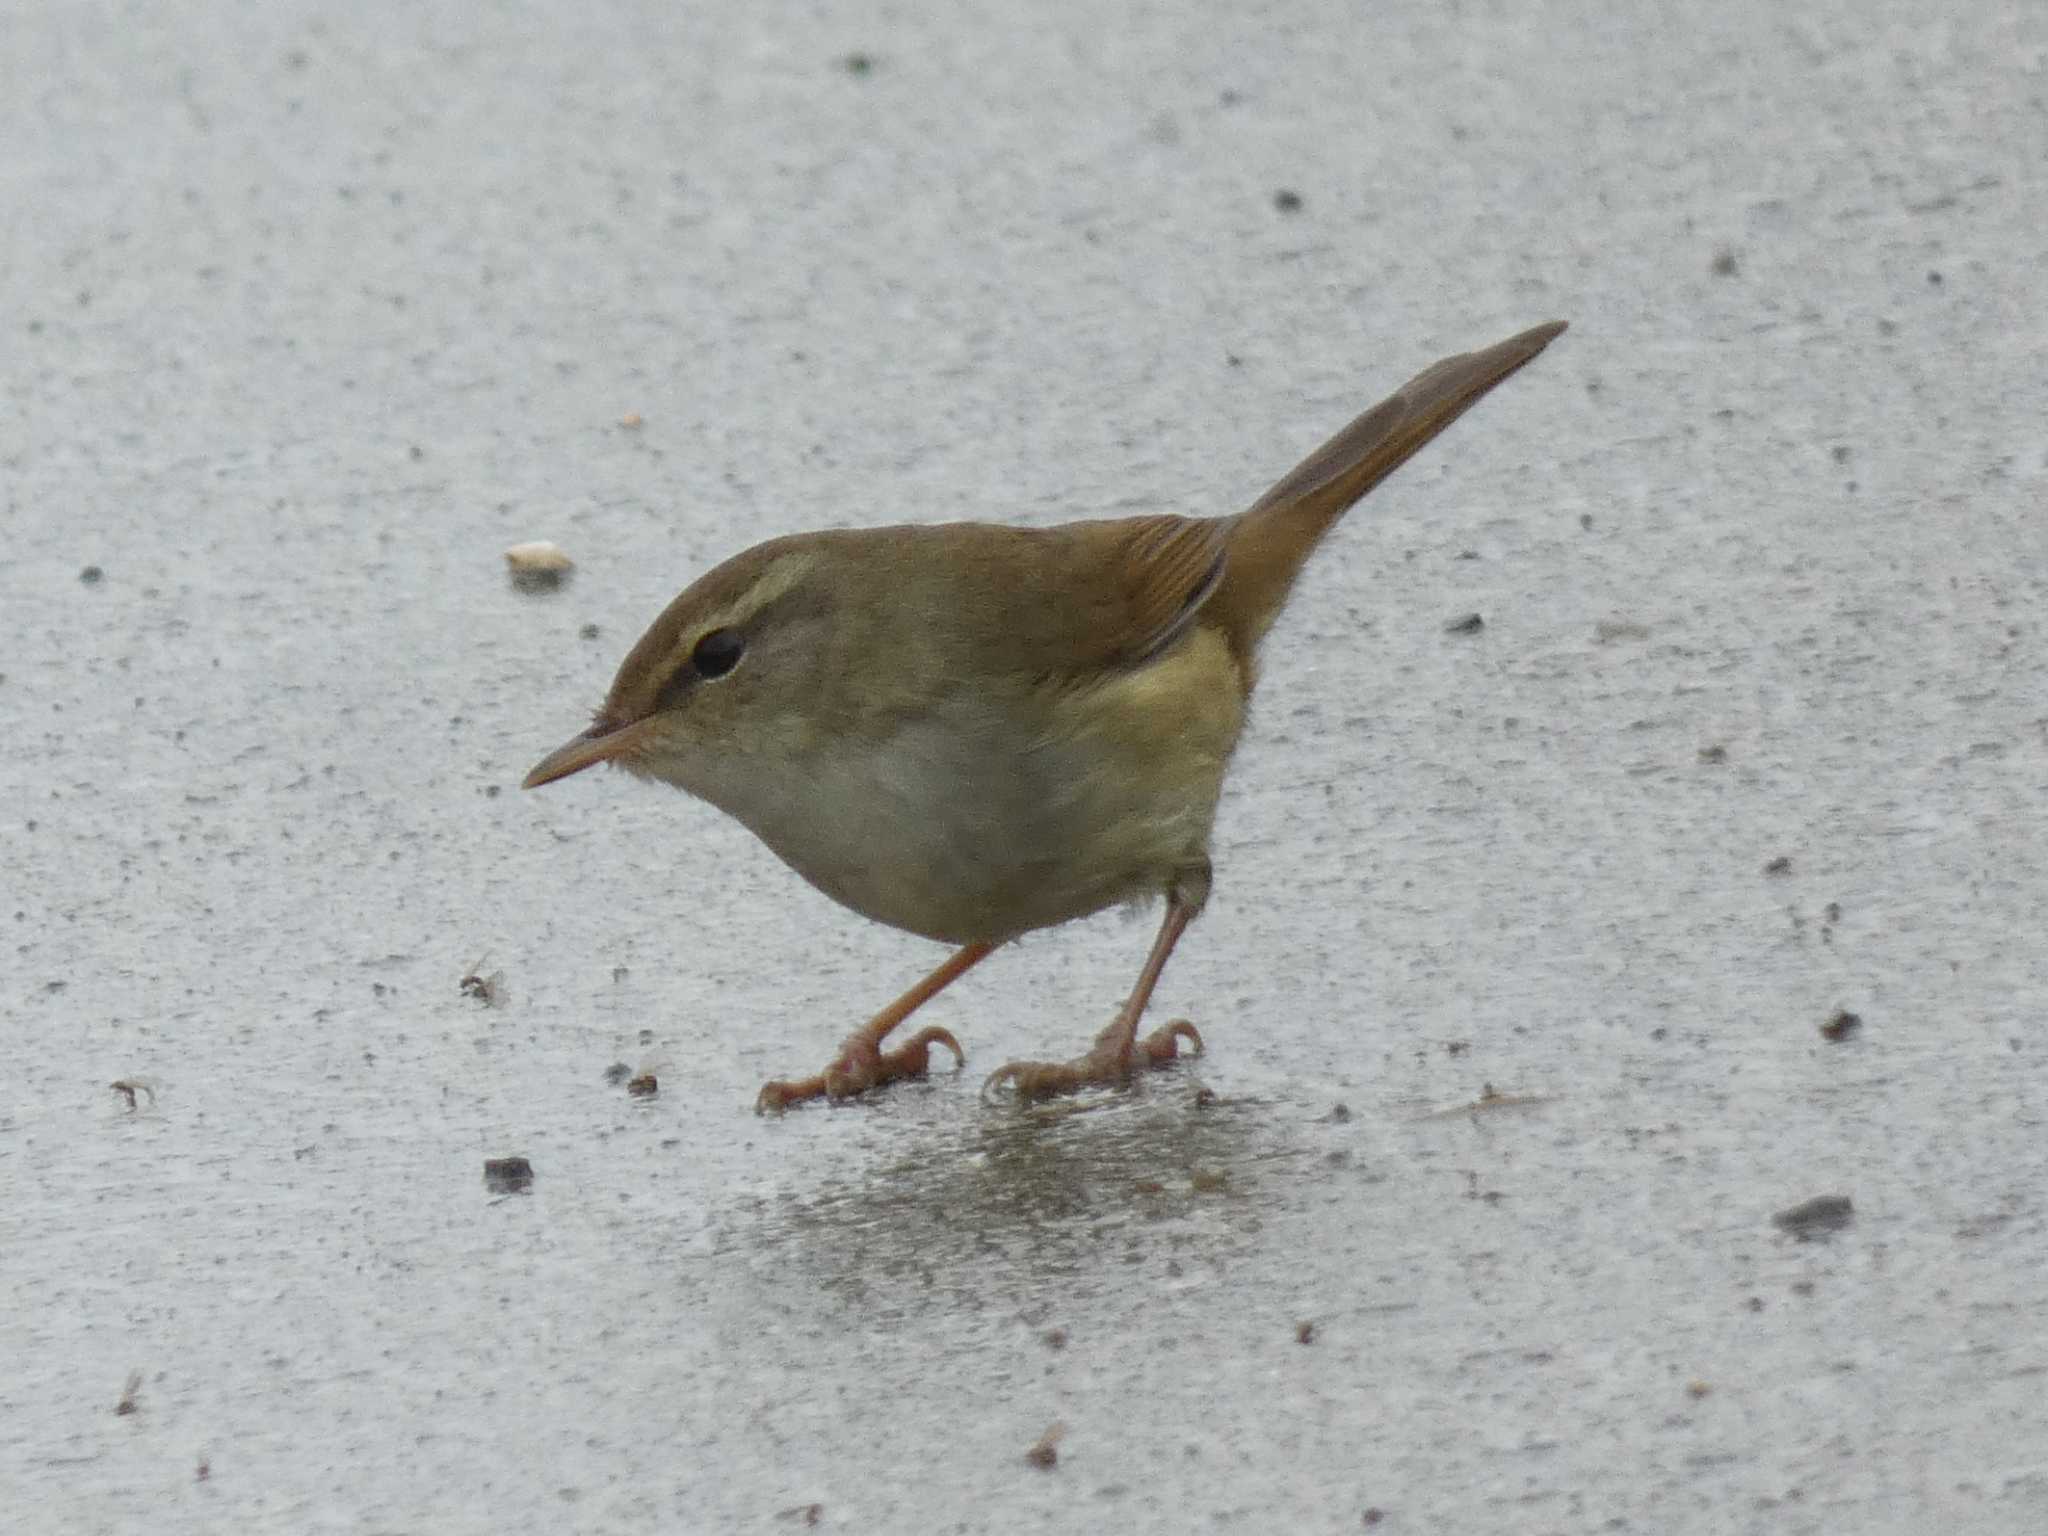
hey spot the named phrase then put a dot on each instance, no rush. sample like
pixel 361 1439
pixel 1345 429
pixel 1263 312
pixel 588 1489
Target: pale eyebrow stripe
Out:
pixel 774 583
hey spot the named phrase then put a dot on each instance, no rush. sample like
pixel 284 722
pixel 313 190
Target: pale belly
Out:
pixel 966 826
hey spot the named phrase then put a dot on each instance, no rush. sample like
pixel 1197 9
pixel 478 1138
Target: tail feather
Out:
pixel 1271 539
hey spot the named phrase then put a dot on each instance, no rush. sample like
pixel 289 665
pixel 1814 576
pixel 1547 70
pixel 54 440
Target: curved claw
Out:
pixel 913 1057
pixel 1034 1080
pixel 1106 1066
pixel 776 1097
pixel 1161 1046
pixel 861 1067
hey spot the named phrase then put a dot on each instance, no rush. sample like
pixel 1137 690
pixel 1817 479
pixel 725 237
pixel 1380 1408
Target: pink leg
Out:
pixel 862 1063
pixel 1117 1049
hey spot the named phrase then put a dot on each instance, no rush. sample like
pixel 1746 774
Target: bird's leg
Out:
pixel 1117 1050
pixel 862 1063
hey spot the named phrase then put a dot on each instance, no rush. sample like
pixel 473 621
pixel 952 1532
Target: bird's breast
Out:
pixel 986 813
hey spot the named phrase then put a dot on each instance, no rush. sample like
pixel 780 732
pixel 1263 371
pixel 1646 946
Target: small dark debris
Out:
pixel 1724 263
pixel 589 632
pixel 1470 624
pixel 1204 1097
pixel 1209 1181
pixel 645 1086
pixel 127 1405
pixel 858 64
pixel 1697 1388
pixel 1841 1026
pixel 1781 865
pixel 1339 1113
pixel 1755 1303
pixel 1934 279
pixel 415 452
pixel 618 1072
pixel 1373 1516
pixel 1802 1287
pixel 1457 1047
pixel 1840 452
pixel 1832 912
pixel 91 576
pixel 488 990
pixel 508 1175
pixel 1714 754
pixel 1054 1339
pixel 1045 1453
pixel 1821 1214
pixel 808 1514
pixel 1305 1331
pixel 1586 521
pixel 128 1087
pixel 204 1470
pixel 1287 200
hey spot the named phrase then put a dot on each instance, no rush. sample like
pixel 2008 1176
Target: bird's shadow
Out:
pixel 994 1207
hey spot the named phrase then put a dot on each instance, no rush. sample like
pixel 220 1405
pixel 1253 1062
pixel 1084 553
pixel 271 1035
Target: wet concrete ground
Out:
pixel 309 315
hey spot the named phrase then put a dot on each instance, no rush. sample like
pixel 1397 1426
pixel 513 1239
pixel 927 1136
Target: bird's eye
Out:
pixel 717 653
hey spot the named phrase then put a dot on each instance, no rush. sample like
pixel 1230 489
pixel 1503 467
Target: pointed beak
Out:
pixel 600 744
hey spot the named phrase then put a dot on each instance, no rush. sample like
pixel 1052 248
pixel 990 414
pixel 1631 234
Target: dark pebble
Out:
pixel 1841 1026
pixel 508 1175
pixel 1821 1214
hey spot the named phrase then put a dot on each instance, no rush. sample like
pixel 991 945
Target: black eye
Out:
pixel 718 652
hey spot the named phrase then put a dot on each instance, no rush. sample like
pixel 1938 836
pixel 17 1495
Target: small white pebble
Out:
pixel 538 566
pixel 539 555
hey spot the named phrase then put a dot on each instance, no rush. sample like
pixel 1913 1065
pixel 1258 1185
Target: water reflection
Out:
pixel 995 1208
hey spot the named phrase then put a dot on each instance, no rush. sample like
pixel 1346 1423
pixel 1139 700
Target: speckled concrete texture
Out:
pixel 307 313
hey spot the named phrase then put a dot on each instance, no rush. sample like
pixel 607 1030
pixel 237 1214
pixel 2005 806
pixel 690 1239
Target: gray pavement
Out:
pixel 308 313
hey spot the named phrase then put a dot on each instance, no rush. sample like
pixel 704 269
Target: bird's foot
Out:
pixel 1108 1065
pixel 862 1064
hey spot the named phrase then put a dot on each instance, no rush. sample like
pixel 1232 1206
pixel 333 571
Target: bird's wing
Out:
pixel 1157 572
pixel 1116 593
pixel 1070 602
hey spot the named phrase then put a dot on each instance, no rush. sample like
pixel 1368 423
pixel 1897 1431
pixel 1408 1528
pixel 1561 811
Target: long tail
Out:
pixel 1271 539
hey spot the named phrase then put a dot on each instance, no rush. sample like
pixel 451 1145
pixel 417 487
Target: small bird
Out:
pixel 970 731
